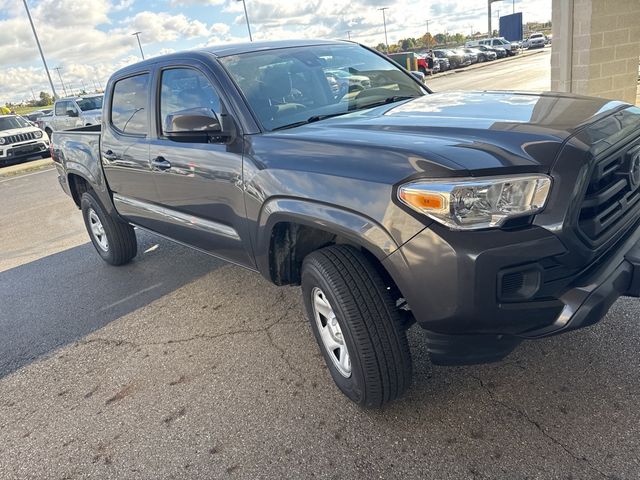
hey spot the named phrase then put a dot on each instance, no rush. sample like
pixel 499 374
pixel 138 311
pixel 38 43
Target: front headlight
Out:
pixel 474 203
pixel 3 140
pixel 38 133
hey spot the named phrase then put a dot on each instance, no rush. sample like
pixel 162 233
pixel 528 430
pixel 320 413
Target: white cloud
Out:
pixel 85 37
pixel 162 27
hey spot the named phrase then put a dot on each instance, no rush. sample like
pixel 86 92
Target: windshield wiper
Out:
pixel 392 99
pixel 311 119
pixel 317 118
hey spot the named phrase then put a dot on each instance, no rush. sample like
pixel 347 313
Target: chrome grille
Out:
pixel 612 197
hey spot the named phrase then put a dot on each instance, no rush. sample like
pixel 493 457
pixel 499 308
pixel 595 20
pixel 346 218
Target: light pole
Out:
pixel 35 34
pixel 246 17
pixel 384 22
pixel 60 76
pixel 137 35
pixel 349 34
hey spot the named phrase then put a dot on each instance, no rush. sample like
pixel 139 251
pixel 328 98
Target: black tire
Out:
pixel 369 321
pixel 121 243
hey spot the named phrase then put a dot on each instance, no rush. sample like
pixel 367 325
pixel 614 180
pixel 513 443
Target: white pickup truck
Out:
pixel 71 113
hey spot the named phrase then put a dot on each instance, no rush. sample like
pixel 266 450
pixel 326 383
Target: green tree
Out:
pixel 440 38
pixel 407 44
pixel 427 40
pixel 381 47
pixel 458 38
pixel 45 99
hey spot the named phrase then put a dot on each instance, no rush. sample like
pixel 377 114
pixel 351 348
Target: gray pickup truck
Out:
pixel 487 218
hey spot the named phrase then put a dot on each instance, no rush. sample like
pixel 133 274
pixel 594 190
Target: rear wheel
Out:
pixel 114 240
pixel 357 326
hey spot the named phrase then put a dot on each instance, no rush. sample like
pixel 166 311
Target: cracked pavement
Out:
pixel 180 366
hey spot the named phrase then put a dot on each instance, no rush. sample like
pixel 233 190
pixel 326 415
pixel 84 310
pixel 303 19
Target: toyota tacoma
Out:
pixel 487 218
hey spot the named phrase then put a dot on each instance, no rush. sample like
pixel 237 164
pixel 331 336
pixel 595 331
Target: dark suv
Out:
pixel 487 218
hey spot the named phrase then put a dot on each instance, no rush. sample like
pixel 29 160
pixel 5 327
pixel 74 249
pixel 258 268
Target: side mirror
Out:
pixel 72 113
pixel 419 76
pixel 193 123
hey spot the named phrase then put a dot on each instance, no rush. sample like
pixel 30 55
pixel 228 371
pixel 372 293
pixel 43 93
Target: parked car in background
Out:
pixel 349 82
pixel 36 114
pixel 488 52
pixel 480 55
pixel 536 40
pixel 71 113
pixel 19 140
pixel 499 42
pixel 443 60
pixel 468 54
pixel 456 60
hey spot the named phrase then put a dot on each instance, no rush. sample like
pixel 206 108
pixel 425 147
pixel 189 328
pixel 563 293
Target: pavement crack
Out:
pixel 523 414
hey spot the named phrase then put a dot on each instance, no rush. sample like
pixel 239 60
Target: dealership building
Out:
pixel 596 46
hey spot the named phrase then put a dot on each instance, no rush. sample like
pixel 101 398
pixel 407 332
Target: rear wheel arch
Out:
pixel 77 186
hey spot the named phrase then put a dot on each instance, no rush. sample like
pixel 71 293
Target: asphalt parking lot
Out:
pixel 180 366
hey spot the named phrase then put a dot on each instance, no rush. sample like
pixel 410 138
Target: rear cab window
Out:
pixel 129 105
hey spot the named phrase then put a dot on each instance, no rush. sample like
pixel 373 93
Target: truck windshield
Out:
pixel 291 86
pixel 89 103
pixel 7 123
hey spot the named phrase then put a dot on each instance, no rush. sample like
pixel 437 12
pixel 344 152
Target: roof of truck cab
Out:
pixel 232 49
pixel 247 47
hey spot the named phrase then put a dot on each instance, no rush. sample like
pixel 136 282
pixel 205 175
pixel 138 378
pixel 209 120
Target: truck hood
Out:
pixel 460 133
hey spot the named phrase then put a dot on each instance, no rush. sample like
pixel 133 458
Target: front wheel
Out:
pixel 357 325
pixel 114 240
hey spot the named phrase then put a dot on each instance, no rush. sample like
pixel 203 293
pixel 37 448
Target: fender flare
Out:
pixel 97 183
pixel 357 228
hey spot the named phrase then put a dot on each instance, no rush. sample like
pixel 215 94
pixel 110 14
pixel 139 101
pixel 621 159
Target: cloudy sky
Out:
pixel 90 39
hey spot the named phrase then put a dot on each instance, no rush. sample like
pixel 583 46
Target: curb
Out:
pixel 21 168
pixel 484 64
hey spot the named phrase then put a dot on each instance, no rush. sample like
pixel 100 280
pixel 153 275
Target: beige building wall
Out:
pixel 596 45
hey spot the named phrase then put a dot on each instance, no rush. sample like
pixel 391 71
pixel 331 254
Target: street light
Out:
pixel 384 22
pixel 246 17
pixel 349 34
pixel 137 35
pixel 60 76
pixel 46 68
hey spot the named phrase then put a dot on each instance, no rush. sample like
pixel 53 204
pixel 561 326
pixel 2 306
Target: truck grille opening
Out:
pixel 612 196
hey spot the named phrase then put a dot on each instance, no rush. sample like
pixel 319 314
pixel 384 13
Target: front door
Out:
pixel 199 180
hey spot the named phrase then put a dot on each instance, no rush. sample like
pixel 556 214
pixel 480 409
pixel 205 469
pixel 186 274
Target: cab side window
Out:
pixel 129 105
pixel 184 89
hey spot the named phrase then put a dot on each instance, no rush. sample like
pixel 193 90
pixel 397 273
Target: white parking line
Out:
pixel 26 175
pixel 126 299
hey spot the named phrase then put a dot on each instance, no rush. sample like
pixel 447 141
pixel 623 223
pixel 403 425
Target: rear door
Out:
pixel 199 182
pixel 124 147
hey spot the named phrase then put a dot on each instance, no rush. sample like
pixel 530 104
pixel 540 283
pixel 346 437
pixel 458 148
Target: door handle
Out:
pixel 109 156
pixel 160 163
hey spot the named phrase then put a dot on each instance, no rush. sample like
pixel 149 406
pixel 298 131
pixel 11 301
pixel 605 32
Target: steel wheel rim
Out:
pixel 97 230
pixel 330 332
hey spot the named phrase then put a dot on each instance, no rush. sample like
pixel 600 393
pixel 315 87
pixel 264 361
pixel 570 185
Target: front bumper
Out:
pixel 20 151
pixel 452 283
